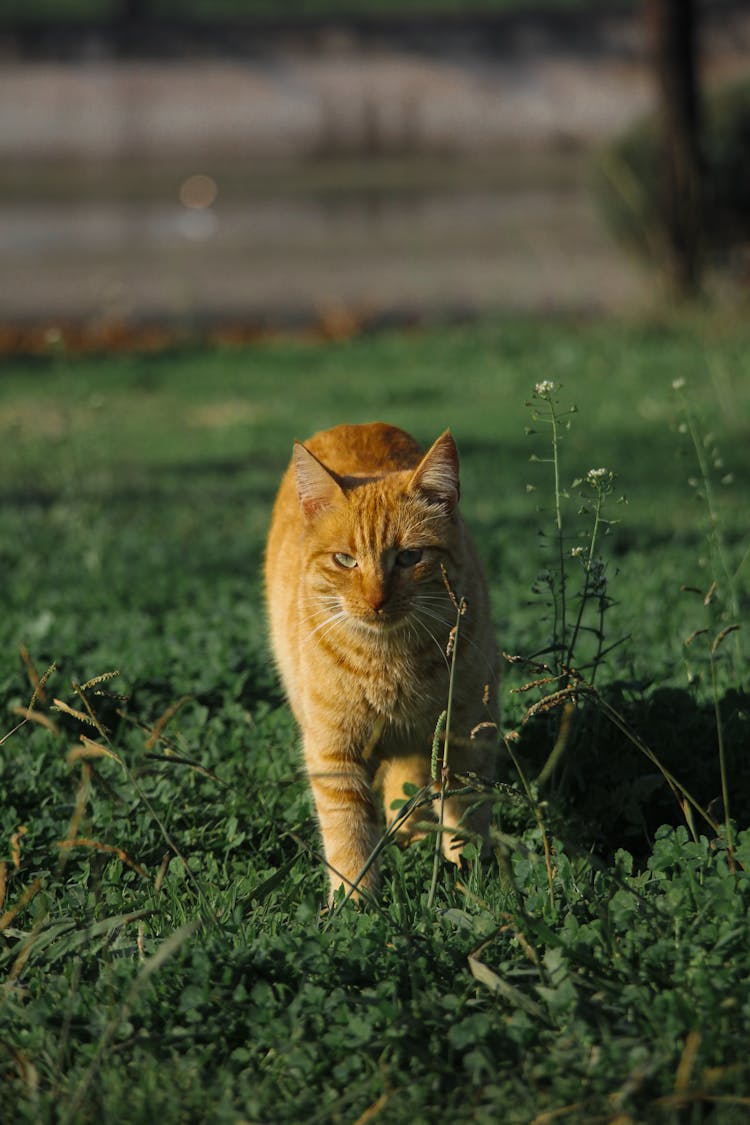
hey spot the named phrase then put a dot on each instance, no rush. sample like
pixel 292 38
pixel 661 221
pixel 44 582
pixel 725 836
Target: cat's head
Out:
pixel 375 549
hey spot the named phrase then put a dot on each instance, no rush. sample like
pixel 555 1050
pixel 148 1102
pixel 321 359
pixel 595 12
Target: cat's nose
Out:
pixel 375 595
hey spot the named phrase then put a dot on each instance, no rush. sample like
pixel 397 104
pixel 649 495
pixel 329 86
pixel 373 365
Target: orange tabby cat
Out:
pixel 360 615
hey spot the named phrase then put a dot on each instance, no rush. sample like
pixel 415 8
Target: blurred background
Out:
pixel 236 167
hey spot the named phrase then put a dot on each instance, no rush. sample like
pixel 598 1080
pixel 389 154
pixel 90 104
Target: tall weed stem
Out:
pixel 559 518
pixel 547 410
pixel 460 606
pixel 720 743
pixel 715 538
pixel 534 805
pixel 601 480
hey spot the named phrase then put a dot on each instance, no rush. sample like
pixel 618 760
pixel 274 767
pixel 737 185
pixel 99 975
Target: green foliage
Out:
pixel 163 955
pixel 628 180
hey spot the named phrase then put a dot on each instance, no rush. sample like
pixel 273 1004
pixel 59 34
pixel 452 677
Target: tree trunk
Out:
pixel 132 11
pixel 673 44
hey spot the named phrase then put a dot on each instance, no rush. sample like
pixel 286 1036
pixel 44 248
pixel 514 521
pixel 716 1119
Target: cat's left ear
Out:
pixel 436 474
pixel 317 488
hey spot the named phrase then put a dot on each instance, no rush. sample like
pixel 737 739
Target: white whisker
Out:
pixel 423 625
pixel 326 610
pixel 449 622
pixel 436 617
pixel 329 624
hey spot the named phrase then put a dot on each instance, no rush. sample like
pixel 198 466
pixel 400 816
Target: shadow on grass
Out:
pixel 253 477
pixel 606 794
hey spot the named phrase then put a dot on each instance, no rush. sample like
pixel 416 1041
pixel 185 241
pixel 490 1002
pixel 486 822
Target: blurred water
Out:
pixel 377 238
pixel 355 168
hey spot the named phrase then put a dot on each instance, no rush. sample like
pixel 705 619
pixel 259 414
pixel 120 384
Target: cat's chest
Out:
pixel 402 688
pixel 390 694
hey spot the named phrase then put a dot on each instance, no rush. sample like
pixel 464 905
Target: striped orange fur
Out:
pixel 363 527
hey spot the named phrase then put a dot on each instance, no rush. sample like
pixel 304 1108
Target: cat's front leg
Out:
pixel 468 815
pixel 349 826
pixel 399 775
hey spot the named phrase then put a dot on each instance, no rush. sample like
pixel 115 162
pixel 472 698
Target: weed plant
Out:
pixel 162 947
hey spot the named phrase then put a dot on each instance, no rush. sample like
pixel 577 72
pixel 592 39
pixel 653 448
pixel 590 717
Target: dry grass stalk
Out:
pixel 550 702
pixel 164 720
pixel 38 717
pixel 23 901
pixel 60 705
pixel 93 717
pixel 38 682
pixel 82 796
pixel 162 872
pixel 15 845
pixel 32 673
pixel 90 749
pixel 109 849
pixel 104 678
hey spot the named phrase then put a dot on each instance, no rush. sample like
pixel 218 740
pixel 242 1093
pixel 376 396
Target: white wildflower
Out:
pixel 577 552
pixel 678 384
pixel 597 476
pixel 544 389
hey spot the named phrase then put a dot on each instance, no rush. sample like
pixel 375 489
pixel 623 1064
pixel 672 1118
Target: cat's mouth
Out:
pixel 380 622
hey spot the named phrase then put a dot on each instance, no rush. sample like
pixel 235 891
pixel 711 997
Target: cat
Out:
pixel 365 552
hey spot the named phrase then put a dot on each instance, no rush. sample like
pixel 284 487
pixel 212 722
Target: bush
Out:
pixel 627 181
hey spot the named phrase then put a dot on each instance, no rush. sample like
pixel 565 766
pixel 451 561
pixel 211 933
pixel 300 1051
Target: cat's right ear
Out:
pixel 436 475
pixel 317 489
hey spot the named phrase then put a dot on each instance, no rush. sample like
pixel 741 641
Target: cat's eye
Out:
pixel 345 560
pixel 409 557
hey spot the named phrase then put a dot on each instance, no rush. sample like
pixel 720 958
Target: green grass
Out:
pixel 189 975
